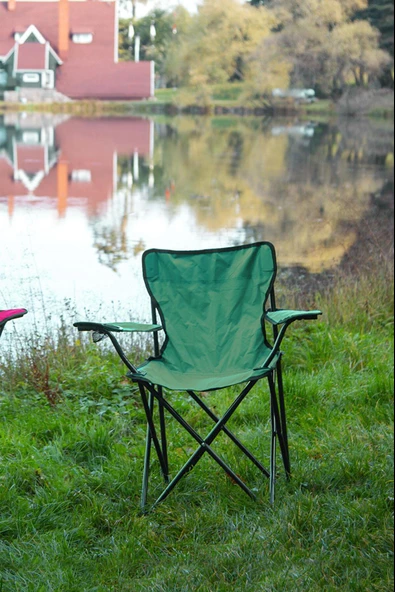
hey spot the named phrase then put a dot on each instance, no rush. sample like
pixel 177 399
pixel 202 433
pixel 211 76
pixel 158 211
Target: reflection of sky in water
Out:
pixel 43 257
pixel 62 234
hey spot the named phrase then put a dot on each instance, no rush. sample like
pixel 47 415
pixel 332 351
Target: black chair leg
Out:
pixel 283 418
pixel 147 460
pixel 162 422
pixel 277 423
pixel 273 450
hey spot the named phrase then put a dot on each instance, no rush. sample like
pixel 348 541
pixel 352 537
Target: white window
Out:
pixel 17 36
pixel 31 138
pixel 83 38
pixel 81 176
pixel 32 78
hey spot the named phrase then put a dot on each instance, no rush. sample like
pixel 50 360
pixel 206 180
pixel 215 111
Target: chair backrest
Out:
pixel 211 304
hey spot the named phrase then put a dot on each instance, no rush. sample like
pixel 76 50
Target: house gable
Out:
pixel 32 35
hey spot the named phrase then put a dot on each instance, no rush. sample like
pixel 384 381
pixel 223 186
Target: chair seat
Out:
pixel 160 372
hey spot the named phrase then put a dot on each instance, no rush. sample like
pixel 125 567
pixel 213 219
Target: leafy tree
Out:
pixel 325 48
pixel 167 26
pixel 355 49
pixel 380 14
pixel 219 43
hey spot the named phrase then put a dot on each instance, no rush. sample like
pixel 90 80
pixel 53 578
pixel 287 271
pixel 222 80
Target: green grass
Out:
pixel 71 446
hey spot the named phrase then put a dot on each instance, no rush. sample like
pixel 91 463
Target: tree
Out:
pixel 325 47
pixel 219 43
pixel 355 49
pixel 168 25
pixel 380 14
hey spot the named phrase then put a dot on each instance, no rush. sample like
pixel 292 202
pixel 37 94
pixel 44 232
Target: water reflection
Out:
pixel 80 199
pixel 68 159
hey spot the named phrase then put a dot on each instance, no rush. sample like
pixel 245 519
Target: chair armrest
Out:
pixel 285 318
pixel 101 330
pixel 9 315
pixel 117 327
pixel 279 317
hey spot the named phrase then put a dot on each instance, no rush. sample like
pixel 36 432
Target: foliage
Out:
pixel 218 44
pixel 326 48
pixel 322 44
pixel 380 14
pixel 168 27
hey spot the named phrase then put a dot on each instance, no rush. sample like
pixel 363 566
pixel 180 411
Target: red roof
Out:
pixel 89 70
pixel 31 56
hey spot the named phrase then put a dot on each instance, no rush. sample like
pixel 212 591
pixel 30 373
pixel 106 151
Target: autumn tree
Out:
pixel 219 43
pixel 356 53
pixel 325 46
pixel 380 14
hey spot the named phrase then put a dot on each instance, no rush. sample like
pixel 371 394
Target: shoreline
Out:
pixel 320 109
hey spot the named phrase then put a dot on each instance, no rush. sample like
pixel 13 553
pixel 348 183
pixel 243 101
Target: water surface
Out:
pixel 81 199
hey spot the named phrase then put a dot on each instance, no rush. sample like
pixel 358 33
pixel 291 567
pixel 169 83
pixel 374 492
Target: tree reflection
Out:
pixel 111 239
pixel 303 187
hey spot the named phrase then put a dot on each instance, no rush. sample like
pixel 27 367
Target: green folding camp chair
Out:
pixel 214 307
pixel 9 315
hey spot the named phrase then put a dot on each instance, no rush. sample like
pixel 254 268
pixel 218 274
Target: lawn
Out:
pixel 72 444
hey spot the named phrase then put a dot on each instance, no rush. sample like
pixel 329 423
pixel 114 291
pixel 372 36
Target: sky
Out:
pixel 143 9
pixel 190 5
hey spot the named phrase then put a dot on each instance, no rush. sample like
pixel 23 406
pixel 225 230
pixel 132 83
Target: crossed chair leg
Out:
pixel 157 438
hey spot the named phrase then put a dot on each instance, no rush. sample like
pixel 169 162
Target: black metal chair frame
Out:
pixel 156 429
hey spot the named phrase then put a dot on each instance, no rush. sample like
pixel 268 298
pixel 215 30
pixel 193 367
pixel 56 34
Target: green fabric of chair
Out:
pixel 214 307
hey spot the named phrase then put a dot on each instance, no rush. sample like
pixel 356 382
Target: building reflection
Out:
pixel 69 160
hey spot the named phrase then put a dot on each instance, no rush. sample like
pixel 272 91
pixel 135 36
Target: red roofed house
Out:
pixel 70 46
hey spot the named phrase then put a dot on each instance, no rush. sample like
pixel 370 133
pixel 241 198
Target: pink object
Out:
pixel 8 315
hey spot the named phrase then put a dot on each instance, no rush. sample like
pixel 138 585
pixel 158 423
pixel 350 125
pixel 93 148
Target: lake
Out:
pixel 81 199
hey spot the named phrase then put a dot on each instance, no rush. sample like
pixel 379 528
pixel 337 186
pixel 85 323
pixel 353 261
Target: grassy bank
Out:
pixel 221 99
pixel 71 444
